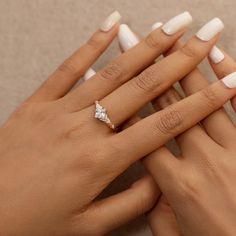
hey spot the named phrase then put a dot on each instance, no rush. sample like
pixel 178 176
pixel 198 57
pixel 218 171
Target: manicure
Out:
pixel 230 80
pixel 89 74
pixel 156 25
pixel 210 30
pixel 111 21
pixel 126 37
pixel 216 55
pixel 177 23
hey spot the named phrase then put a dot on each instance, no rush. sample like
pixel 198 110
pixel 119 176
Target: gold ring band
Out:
pixel 101 114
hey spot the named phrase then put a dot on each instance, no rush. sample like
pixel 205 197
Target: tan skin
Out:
pixel 200 198
pixel 56 158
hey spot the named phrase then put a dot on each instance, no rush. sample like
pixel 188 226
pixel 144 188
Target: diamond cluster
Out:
pixel 101 113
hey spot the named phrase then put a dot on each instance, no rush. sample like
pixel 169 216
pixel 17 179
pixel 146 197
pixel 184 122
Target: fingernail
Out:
pixel 111 21
pixel 230 80
pixel 156 25
pixel 89 74
pixel 177 23
pixel 126 37
pixel 210 29
pixel 216 55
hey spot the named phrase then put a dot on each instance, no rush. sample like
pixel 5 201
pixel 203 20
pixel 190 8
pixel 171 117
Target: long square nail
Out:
pixel 177 23
pixel 210 29
pixel 110 21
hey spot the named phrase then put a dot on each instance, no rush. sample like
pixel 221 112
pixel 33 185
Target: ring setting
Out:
pixel 101 114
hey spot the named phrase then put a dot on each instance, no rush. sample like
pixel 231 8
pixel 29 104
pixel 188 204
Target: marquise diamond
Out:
pixel 101 113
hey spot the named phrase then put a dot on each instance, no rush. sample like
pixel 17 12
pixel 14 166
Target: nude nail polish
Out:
pixel 216 55
pixel 210 29
pixel 89 74
pixel 230 80
pixel 156 25
pixel 110 21
pixel 127 38
pixel 177 23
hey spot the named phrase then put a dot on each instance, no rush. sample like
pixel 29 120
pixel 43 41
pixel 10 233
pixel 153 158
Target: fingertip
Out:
pixel 221 63
pixel 216 55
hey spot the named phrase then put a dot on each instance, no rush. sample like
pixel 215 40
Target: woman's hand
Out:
pixel 198 185
pixel 51 169
pixel 56 157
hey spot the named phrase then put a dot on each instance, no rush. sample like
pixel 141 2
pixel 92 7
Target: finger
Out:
pixel 125 66
pixel 127 40
pixel 165 168
pixel 133 120
pixel 168 98
pixel 63 79
pixel 133 95
pixel 162 219
pixel 222 65
pixel 192 137
pixel 119 209
pixel 192 83
pixel 155 130
pixel 218 124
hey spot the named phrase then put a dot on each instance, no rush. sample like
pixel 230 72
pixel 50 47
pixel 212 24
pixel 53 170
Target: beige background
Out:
pixel 36 35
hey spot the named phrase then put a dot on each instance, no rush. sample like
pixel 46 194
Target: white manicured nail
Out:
pixel 111 21
pixel 216 55
pixel 156 25
pixel 89 74
pixel 126 37
pixel 177 23
pixel 210 29
pixel 230 80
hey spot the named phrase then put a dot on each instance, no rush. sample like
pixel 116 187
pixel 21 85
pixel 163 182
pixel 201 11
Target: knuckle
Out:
pixel 153 41
pixel 112 72
pixel 209 98
pixel 170 120
pixel 190 52
pixel 95 41
pixel 68 67
pixel 144 204
pixel 50 85
pixel 148 80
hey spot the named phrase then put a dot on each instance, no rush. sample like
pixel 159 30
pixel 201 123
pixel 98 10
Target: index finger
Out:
pixel 128 64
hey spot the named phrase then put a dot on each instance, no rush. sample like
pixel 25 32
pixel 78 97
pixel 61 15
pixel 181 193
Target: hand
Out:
pixel 198 185
pixel 55 155
pixel 50 176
